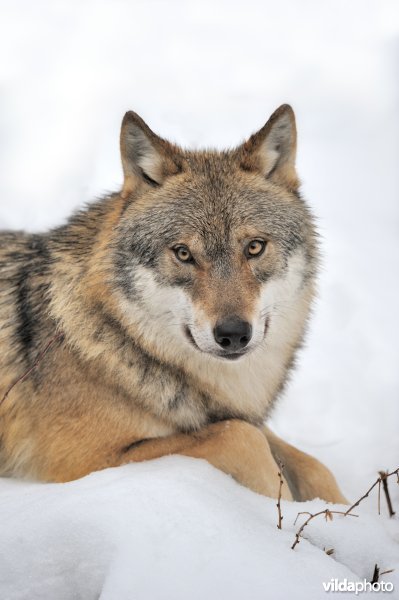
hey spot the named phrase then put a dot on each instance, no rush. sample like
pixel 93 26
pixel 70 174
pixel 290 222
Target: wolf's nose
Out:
pixel 233 334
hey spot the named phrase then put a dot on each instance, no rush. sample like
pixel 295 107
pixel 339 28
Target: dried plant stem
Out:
pixel 326 512
pixel 377 482
pixel 376 574
pixel 280 476
pixel 383 477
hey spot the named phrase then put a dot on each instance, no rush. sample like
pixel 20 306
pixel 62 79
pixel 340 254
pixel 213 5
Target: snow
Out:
pixel 207 74
pixel 176 528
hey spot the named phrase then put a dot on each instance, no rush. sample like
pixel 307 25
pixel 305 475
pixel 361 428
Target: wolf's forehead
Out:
pixel 218 212
pixel 215 202
pixel 208 223
pixel 215 210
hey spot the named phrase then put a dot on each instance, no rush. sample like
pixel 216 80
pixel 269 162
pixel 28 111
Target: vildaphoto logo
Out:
pixel 343 585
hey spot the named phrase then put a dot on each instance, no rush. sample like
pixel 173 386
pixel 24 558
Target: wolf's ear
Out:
pixel 272 150
pixel 145 156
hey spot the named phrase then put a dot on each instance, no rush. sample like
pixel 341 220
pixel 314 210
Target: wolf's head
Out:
pixel 212 246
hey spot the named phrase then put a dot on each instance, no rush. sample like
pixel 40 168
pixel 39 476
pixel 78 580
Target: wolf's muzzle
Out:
pixel 233 334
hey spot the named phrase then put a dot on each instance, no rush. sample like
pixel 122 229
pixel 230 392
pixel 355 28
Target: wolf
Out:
pixel 164 318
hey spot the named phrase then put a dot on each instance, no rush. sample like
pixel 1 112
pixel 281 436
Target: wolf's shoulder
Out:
pixel 16 247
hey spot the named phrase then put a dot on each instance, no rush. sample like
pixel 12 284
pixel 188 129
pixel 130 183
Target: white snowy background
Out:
pixel 209 73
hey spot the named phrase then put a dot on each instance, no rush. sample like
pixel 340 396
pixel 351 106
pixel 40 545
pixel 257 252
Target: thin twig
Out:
pixel 376 574
pixel 326 512
pixel 395 472
pixel 38 359
pixel 305 512
pixel 280 475
pixel 384 477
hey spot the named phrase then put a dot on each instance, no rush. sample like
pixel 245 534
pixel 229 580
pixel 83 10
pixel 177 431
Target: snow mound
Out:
pixel 176 528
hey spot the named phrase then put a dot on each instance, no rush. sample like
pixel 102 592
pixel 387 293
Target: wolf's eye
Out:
pixel 183 254
pixel 255 248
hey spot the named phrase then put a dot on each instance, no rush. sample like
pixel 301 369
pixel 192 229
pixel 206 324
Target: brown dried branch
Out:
pixel 377 482
pixel 328 513
pixel 376 574
pixel 384 477
pixel 328 516
pixel 38 359
pixel 280 476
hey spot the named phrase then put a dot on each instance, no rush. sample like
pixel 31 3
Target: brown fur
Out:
pixel 137 373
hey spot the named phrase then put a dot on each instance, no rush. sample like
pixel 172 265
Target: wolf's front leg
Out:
pixel 307 477
pixel 233 446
